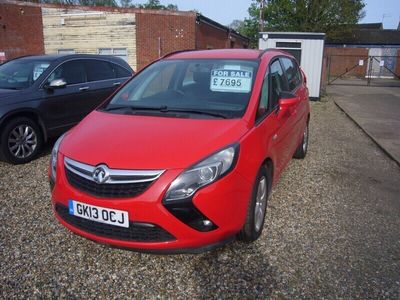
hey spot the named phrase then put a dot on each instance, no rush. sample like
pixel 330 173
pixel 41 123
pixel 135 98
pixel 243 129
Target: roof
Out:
pixel 199 17
pixel 102 8
pixel 36 57
pixel 292 35
pixel 221 54
pixel 368 26
pixel 367 37
pixel 62 57
pixel 204 19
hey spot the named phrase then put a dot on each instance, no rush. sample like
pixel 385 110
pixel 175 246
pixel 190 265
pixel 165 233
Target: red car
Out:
pixel 183 157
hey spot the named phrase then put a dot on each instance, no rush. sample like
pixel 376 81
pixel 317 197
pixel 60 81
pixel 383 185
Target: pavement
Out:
pixel 332 231
pixel 375 109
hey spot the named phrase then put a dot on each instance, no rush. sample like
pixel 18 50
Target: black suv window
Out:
pixel 277 81
pixel 72 72
pixel 98 70
pixel 121 72
pixel 292 73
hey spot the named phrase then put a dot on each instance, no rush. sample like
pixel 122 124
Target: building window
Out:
pixel 66 51
pixel 120 52
pixel 293 48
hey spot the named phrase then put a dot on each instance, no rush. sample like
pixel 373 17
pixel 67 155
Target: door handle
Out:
pixel 84 88
pixel 116 83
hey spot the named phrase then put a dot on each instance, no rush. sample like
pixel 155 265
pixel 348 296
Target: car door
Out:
pixel 102 82
pixel 62 107
pixel 296 87
pixel 275 126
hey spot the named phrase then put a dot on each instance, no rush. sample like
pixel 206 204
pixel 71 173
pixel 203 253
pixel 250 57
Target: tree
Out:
pixel 155 4
pixel 330 16
pixel 125 3
pixel 236 24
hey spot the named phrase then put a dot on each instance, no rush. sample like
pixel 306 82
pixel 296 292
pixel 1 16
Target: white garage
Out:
pixel 306 47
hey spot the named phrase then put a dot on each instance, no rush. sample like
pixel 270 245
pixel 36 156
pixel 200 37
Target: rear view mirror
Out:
pixel 57 84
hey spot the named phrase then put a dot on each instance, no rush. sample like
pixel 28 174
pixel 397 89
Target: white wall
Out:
pixel 311 59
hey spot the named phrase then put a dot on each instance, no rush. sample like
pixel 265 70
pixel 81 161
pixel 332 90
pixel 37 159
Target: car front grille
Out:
pixel 138 232
pixel 114 183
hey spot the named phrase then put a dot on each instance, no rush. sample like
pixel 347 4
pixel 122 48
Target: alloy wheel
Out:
pixel 305 139
pixel 261 202
pixel 22 141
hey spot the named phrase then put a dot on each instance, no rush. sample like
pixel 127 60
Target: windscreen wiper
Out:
pixel 194 111
pixel 165 109
pixel 132 108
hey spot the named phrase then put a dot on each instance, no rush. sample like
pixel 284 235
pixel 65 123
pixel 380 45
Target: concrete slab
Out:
pixel 376 110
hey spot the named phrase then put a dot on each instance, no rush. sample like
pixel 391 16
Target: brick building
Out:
pixel 367 50
pixel 136 35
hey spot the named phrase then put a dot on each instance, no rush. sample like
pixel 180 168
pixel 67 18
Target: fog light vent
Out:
pixel 186 212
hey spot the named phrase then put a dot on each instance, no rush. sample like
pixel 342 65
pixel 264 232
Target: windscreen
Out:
pixel 215 86
pixel 21 74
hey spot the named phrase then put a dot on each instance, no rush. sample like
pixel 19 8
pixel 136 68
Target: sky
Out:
pixel 225 11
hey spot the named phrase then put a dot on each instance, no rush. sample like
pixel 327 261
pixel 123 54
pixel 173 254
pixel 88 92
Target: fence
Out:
pixel 363 70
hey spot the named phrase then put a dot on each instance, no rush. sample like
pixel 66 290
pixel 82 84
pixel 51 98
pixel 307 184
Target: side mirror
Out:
pixel 287 103
pixel 56 84
pixel 287 99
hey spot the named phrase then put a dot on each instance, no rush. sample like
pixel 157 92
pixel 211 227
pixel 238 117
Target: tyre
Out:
pixel 255 218
pixel 20 140
pixel 301 150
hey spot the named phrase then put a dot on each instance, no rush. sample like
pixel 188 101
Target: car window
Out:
pixel 263 102
pixel 20 73
pixel 121 72
pixel 73 72
pixel 159 82
pixel 292 73
pixel 98 70
pixel 277 81
pixel 202 85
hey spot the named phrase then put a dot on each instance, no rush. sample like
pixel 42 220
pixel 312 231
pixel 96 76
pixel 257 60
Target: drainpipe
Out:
pixel 159 46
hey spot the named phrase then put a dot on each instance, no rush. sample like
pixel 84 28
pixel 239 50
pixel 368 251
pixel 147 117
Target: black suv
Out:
pixel 43 96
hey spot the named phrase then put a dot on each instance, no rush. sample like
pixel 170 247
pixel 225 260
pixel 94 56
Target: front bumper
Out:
pixel 223 202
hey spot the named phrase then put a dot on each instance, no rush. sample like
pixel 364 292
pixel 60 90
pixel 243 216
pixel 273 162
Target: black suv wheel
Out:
pixel 20 141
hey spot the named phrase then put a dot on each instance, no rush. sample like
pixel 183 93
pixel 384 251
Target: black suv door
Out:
pixel 64 107
pixel 101 83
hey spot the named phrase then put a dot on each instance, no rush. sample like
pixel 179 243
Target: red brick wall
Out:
pixel 176 32
pixel 342 60
pixel 209 37
pixel 21 30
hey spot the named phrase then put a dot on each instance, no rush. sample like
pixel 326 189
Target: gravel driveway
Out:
pixel 332 230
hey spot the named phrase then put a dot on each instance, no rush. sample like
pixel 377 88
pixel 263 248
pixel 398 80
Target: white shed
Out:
pixel 306 47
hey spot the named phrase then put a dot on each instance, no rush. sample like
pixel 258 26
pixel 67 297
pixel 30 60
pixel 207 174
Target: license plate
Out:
pixel 99 214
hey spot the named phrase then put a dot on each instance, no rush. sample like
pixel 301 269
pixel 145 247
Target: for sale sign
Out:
pixel 230 80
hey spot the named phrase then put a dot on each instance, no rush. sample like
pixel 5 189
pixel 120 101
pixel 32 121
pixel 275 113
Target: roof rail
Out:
pixel 176 52
pixel 264 51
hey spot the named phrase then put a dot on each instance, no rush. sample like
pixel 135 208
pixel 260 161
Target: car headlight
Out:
pixel 205 172
pixel 53 158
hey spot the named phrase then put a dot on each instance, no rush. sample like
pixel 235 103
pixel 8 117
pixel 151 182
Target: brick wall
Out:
pixel 74 29
pixel 157 32
pixel 209 37
pixel 177 32
pixel 341 60
pixel 21 31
